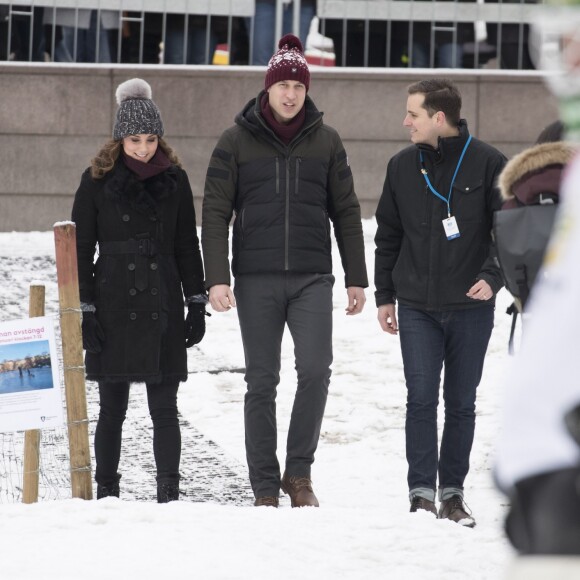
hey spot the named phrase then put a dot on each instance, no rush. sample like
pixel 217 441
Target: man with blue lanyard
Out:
pixel 434 257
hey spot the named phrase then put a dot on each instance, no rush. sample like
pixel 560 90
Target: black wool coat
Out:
pixel 148 260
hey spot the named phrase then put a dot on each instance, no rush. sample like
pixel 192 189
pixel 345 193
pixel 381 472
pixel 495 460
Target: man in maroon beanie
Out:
pixel 285 176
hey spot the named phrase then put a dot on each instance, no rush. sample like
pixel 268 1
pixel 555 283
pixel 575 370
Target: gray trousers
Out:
pixel 265 304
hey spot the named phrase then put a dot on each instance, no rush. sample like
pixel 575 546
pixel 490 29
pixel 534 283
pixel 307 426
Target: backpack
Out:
pixel 529 185
pixel 521 236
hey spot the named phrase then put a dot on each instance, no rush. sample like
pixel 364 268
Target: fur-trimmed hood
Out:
pixel 534 161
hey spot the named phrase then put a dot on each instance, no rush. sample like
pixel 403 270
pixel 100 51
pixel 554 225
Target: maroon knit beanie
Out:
pixel 288 64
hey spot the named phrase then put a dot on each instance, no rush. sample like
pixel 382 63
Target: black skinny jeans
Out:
pixel 114 400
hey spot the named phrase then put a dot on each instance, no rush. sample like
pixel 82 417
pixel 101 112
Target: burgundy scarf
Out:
pixel 156 165
pixel 284 132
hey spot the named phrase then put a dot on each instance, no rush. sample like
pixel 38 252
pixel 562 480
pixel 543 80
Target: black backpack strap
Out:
pixel 523 284
pixel 513 311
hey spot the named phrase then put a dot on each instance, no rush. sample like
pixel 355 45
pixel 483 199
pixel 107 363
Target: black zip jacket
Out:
pixel 284 197
pixel 415 263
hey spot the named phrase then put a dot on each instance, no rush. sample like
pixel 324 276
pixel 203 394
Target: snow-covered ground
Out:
pixel 363 529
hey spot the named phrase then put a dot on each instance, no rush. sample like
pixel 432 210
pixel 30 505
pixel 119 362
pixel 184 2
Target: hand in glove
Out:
pixel 195 323
pixel 93 335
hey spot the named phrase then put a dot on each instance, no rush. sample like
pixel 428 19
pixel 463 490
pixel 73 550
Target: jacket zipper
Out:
pixel 298 161
pixel 277 176
pixel 287 217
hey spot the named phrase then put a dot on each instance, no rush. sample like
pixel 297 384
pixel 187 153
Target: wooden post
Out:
pixel 72 350
pixel 32 436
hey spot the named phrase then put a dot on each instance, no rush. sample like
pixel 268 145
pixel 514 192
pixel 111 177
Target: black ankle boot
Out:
pixel 111 490
pixel 167 491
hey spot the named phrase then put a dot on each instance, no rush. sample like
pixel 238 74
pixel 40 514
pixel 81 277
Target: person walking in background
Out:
pixel 136 203
pixel 264 26
pixel 186 39
pixel 434 257
pixel 285 175
pixel 85 35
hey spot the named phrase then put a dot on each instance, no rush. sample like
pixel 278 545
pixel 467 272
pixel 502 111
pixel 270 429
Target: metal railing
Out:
pixel 457 33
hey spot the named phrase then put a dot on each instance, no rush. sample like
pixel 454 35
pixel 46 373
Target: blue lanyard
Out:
pixel 424 172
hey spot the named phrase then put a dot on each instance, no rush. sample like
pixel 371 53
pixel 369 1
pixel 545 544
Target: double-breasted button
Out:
pixel 154 315
pixel 126 217
pixel 132 292
pixel 153 266
pixel 133 316
pixel 131 266
pixel 154 291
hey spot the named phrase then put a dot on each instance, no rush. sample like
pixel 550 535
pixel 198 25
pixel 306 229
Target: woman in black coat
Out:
pixel 135 207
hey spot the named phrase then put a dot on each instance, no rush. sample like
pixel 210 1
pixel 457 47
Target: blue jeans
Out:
pixel 194 52
pixel 86 43
pixel 266 303
pixel 448 55
pixel 264 43
pixel 457 339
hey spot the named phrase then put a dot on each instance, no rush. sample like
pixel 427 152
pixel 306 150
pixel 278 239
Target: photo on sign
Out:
pixel 30 387
pixel 25 367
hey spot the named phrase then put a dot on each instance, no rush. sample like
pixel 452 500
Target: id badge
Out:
pixel 450 227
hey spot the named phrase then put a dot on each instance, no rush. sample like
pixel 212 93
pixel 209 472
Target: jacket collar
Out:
pixel 123 186
pixel 448 147
pixel 252 119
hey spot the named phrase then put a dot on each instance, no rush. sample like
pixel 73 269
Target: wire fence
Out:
pixel 361 33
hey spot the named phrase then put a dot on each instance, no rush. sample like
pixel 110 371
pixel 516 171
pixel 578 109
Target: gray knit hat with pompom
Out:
pixel 137 113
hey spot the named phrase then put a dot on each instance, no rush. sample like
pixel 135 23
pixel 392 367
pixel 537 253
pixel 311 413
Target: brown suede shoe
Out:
pixel 421 503
pixel 454 509
pixel 266 501
pixel 300 491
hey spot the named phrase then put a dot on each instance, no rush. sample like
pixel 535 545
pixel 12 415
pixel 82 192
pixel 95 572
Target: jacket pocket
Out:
pixel 468 202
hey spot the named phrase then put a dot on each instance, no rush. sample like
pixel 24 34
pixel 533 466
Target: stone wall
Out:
pixel 53 119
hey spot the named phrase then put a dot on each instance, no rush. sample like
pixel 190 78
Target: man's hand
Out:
pixel 356 300
pixel 481 290
pixel 221 298
pixel 388 318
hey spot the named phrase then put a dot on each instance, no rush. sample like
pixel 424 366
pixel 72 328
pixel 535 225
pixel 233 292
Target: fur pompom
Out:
pixel 290 41
pixel 133 89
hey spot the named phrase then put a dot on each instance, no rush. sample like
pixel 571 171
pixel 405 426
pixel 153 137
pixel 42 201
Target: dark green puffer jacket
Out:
pixel 283 198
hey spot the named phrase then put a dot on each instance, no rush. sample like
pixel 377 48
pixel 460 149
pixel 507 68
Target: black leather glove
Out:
pixel 93 335
pixel 195 323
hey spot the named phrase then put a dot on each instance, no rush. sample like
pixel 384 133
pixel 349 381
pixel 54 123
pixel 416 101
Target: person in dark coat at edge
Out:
pixel 135 205
pixel 434 256
pixel 285 174
pixel 534 175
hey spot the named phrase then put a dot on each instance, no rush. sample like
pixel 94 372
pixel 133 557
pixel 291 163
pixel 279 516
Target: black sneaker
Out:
pixel 420 503
pixel 455 510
